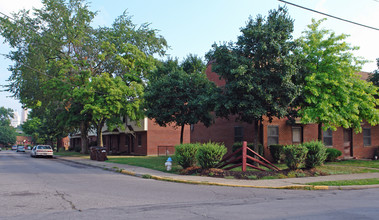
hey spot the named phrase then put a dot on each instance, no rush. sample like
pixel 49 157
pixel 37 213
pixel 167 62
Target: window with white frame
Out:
pixel 366 136
pixel 328 137
pixel 272 135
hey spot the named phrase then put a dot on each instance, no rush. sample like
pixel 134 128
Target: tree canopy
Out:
pixel 374 78
pixel 333 94
pixel 7 132
pixel 60 61
pixel 258 69
pixel 181 95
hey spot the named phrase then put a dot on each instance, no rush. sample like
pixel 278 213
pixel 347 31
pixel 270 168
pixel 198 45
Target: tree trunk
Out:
pixel 59 143
pixel 320 131
pixel 260 132
pixel 256 133
pixel 181 134
pixel 256 139
pixel 99 133
pixel 84 137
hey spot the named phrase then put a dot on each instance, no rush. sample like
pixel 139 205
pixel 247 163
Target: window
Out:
pixel 296 135
pixel 272 135
pixel 238 134
pixel 139 139
pixel 328 137
pixel 366 136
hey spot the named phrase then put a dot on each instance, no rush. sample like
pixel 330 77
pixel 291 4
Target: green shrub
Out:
pixel 295 156
pixel 316 154
pixel 185 154
pixel 332 154
pixel 276 151
pixel 210 154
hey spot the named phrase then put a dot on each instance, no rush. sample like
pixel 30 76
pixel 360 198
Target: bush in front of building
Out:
pixel 210 154
pixel 276 151
pixel 185 154
pixel 316 154
pixel 295 156
pixel 332 154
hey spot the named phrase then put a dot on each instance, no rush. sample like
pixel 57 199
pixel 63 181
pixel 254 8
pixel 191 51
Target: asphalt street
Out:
pixel 39 188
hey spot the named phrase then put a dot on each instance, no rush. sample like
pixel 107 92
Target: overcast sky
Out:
pixel 193 26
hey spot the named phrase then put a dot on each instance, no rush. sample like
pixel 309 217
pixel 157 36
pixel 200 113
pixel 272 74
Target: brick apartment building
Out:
pixel 281 131
pixel 147 138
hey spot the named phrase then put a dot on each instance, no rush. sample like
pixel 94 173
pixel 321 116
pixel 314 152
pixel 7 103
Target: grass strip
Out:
pixel 358 182
pixel 70 154
pixel 357 163
pixel 151 162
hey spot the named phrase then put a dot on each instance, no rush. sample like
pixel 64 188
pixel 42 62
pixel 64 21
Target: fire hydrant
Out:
pixel 168 164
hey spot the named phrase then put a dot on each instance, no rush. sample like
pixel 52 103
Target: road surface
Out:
pixel 39 188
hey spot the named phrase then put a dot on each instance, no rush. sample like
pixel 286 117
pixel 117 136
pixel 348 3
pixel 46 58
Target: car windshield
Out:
pixel 44 147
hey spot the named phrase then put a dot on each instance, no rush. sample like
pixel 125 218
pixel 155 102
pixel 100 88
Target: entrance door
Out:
pixel 132 144
pixel 347 142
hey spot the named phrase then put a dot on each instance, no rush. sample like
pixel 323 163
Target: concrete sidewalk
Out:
pixel 288 183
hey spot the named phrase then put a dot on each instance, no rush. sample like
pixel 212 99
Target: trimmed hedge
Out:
pixel 316 154
pixel 185 154
pixel 210 154
pixel 276 151
pixel 295 156
pixel 332 154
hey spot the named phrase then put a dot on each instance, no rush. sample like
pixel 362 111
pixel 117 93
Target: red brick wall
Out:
pixel 20 140
pixel 338 141
pixel 212 76
pixel 164 136
pixel 361 151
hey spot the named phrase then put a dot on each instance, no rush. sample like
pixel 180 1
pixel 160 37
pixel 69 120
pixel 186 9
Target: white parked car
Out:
pixel 20 149
pixel 41 151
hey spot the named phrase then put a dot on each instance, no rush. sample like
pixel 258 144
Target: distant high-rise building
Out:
pixel 24 115
pixel 15 121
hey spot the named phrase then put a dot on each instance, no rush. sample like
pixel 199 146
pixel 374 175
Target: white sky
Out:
pixel 193 26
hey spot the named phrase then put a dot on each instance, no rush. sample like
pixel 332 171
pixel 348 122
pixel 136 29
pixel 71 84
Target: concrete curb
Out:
pixel 168 179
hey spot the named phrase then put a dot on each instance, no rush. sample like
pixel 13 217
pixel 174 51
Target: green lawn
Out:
pixel 372 181
pixel 334 169
pixel 70 153
pixel 358 163
pixel 151 162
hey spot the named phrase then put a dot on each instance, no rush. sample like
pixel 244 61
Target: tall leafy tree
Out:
pixel 181 95
pixel 32 127
pixel 258 70
pixel 7 132
pixel 374 78
pixel 111 98
pixel 58 55
pixel 333 95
